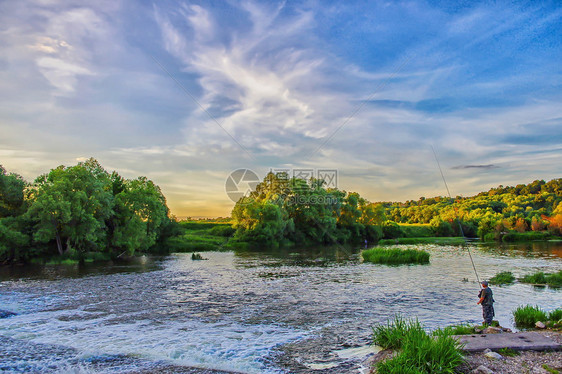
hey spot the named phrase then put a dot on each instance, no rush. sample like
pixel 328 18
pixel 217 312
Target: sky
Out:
pixel 185 92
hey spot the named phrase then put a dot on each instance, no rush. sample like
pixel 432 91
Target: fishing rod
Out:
pixel 456 216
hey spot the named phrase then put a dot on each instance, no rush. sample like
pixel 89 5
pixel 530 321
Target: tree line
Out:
pixel 295 211
pixel 78 210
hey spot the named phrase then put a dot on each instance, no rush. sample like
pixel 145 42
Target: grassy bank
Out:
pixel 425 240
pixel 395 256
pixel 418 351
pixel 201 236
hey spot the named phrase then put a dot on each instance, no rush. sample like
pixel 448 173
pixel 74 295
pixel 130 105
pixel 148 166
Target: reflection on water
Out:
pixel 52 272
pixel 268 311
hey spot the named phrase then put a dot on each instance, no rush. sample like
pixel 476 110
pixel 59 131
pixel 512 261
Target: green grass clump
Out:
pixel 425 240
pixel 537 278
pixel 392 335
pixel 419 351
pixel 461 329
pixel 555 315
pixel 554 279
pixel 541 278
pixel 395 256
pixel 505 277
pixel 528 315
pixel 508 352
pixel 550 370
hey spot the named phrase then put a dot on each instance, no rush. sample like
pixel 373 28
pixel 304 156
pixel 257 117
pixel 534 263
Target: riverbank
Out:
pixel 510 362
pixel 523 362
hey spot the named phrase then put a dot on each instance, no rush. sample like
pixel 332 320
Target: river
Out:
pixel 283 311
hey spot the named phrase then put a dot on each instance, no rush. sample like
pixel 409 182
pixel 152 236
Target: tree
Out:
pixel 70 205
pixel 11 194
pixel 140 214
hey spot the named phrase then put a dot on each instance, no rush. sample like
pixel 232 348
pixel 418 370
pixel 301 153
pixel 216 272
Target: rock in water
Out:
pixel 540 325
pixel 6 314
pixel 482 370
pixel 492 330
pixel 493 355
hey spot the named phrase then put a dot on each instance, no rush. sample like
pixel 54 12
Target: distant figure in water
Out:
pixel 487 302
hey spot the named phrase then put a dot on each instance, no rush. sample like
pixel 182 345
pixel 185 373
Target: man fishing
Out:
pixel 487 302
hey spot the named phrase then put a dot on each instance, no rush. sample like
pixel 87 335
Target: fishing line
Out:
pixel 456 216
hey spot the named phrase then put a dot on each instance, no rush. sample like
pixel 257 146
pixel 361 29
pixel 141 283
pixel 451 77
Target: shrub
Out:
pixel 395 256
pixel 505 277
pixel 391 230
pixel 528 315
pixel 222 230
pixel 416 230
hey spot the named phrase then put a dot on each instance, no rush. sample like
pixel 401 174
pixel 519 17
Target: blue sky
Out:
pixel 184 92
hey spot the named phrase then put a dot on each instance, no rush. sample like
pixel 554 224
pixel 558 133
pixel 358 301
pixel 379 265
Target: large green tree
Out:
pixel 70 205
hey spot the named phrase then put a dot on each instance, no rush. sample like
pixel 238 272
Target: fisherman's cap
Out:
pixel 484 283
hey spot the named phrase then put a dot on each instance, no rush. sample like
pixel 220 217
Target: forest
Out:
pixel 288 211
pixel 82 212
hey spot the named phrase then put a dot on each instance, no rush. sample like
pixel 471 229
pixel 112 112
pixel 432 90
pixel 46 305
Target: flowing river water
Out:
pixel 283 311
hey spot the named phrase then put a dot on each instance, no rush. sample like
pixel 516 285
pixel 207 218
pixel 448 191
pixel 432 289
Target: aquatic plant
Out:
pixel 505 277
pixel 419 351
pixel 541 278
pixel 528 315
pixel 395 256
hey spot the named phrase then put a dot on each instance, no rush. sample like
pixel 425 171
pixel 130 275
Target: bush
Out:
pixel 420 352
pixel 505 277
pixel 416 230
pixel 395 256
pixel 222 230
pixel 528 315
pixel 391 230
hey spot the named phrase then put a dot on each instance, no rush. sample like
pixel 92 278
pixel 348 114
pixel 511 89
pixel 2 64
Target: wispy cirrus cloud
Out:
pixel 481 84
